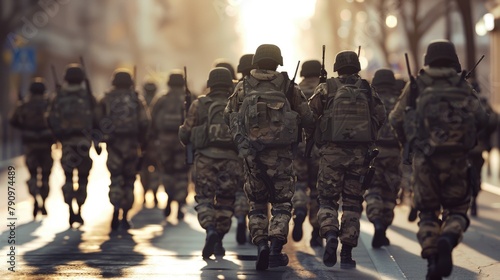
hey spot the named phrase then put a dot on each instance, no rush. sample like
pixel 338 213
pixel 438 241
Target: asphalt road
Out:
pixel 159 248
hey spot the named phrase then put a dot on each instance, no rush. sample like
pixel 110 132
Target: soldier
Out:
pixel 37 138
pixel 166 118
pixel 349 114
pixel 150 175
pixel 263 116
pixel 71 117
pixel 217 166
pixel 307 168
pixel 446 116
pixel 125 113
pixel 382 195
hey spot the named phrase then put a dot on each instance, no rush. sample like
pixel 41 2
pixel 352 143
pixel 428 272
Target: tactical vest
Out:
pixel 73 112
pixel 169 113
pixel 213 132
pixel 33 114
pixel 347 114
pixel 268 119
pixel 122 107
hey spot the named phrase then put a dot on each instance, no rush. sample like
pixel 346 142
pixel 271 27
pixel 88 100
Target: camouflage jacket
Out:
pixel 308 85
pixel 19 120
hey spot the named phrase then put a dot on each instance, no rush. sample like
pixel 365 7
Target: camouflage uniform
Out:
pixel 217 169
pixel 340 168
pixel 150 175
pixel 37 139
pixel 382 195
pixel 277 163
pixel 123 108
pixel 439 180
pixel 76 142
pixel 171 153
pixel 306 169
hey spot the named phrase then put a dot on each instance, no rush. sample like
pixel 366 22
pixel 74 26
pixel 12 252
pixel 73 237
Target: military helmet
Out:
pixel 442 51
pixel 176 79
pixel 122 78
pixel 245 63
pixel 311 68
pixel 384 77
pixel 150 86
pixel 346 59
pixel 74 74
pixel 228 66
pixel 219 77
pixel 37 86
pixel 268 51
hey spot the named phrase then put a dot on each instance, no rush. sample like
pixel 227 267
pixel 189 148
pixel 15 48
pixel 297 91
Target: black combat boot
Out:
pixel 379 238
pixel 36 208
pixel 446 243
pixel 298 219
pixel 346 260
pixel 115 222
pixel 168 209
pixel 276 257
pixel 210 240
pixel 262 262
pixel 241 230
pixel 180 212
pixel 126 224
pixel 413 215
pixel 432 273
pixel 316 240
pixel 330 254
pixel 219 250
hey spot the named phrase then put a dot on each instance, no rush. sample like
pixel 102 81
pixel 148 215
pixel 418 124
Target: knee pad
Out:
pixel 32 186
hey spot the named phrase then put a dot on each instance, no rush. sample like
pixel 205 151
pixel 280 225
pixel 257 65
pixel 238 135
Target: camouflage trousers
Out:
pixel 241 206
pixel 150 176
pixel 340 168
pixel 269 178
pixel 173 170
pixel 440 182
pixel 38 158
pixel 215 186
pixel 76 156
pixel 122 161
pixel 306 194
pixel 383 192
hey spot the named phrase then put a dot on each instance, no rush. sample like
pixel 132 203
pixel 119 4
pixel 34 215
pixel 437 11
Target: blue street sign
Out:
pixel 23 60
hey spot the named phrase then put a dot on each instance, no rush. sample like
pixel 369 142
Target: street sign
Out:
pixel 23 60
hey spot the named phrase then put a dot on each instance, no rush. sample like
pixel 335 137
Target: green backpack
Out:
pixel 73 112
pixel 386 135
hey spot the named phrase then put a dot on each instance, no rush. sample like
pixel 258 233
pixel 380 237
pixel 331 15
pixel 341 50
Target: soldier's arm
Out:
pixel 396 116
pixel 379 113
pixel 189 123
pixel 299 104
pixel 316 106
pixel 233 103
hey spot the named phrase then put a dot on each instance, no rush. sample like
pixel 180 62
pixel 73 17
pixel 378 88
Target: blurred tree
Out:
pixel 465 9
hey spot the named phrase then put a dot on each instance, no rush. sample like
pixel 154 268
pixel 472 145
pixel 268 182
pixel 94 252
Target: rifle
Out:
pixel 323 73
pixel 366 179
pixel 467 76
pixel 359 50
pixel 91 98
pixel 411 107
pixel 187 104
pixel 289 95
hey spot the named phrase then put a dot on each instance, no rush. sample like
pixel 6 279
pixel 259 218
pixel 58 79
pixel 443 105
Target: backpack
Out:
pixel 390 97
pixel 214 132
pixel 268 119
pixel 445 119
pixel 169 116
pixel 33 114
pixel 121 107
pixel 347 114
pixel 74 112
